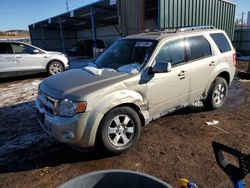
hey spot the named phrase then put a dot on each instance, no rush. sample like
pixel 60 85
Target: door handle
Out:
pixel 182 73
pixel 212 63
pixel 18 56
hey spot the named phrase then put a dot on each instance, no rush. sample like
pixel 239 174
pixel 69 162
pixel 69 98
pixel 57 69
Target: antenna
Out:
pixel 67 5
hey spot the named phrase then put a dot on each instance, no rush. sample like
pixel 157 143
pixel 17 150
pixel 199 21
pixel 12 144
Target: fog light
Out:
pixel 67 135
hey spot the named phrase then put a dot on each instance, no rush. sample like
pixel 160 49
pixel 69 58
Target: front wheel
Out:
pixel 217 95
pixel 120 129
pixel 55 67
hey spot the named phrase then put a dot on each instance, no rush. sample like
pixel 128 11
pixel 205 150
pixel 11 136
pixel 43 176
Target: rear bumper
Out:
pixel 79 130
pixel 233 75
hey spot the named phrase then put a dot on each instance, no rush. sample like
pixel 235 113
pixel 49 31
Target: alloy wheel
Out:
pixel 219 94
pixel 56 68
pixel 121 130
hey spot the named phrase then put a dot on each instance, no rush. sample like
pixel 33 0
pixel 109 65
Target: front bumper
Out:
pixel 79 130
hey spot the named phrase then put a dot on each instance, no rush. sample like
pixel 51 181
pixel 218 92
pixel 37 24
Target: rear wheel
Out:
pixel 120 129
pixel 55 67
pixel 217 95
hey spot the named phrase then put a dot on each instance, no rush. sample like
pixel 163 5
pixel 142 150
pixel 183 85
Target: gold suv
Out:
pixel 138 79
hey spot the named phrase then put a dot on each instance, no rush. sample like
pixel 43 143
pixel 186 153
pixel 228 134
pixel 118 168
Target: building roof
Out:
pixel 80 18
pixel 105 14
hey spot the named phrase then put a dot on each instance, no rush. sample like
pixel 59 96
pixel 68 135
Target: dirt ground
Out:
pixel 173 147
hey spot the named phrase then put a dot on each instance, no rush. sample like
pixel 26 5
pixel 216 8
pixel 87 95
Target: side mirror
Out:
pixel 161 67
pixel 36 51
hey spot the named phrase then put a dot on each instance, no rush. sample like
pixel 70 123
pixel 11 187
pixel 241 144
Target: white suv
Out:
pixel 17 58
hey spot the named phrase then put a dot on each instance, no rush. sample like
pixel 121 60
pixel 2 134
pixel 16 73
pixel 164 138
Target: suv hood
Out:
pixel 52 52
pixel 77 83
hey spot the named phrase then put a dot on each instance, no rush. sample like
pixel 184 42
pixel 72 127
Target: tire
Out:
pixel 120 129
pixel 217 94
pixel 55 67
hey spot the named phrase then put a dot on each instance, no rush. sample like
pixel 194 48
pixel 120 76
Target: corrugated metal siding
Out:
pixel 132 16
pixel 52 38
pixel 182 13
pixel 242 40
pixel 107 33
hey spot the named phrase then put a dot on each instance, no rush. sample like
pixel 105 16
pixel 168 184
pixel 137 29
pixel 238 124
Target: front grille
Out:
pixel 47 103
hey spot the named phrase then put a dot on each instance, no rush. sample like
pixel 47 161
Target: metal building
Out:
pixel 111 19
pixel 248 18
pixel 241 40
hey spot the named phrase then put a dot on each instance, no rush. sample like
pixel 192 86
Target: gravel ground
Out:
pixel 175 146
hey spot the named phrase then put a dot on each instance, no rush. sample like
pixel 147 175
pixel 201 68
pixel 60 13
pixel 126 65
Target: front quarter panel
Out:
pixel 118 98
pixel 103 104
pixel 54 57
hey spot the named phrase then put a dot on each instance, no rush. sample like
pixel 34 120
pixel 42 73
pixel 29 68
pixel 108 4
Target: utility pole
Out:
pixel 67 5
pixel 241 31
pixel 249 65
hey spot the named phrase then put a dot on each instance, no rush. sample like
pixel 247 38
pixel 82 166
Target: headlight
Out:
pixel 65 55
pixel 69 108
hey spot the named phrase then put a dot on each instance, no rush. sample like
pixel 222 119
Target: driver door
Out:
pixel 170 89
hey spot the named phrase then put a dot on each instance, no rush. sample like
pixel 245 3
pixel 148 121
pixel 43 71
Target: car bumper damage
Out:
pixel 79 130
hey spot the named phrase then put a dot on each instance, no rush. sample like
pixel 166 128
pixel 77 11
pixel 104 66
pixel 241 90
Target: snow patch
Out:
pixel 130 68
pixel 22 141
pixel 93 69
pixel 19 92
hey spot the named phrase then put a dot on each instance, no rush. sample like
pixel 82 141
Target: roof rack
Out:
pixel 181 29
pixel 163 30
pixel 178 29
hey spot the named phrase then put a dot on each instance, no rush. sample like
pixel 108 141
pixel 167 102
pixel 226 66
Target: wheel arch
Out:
pixel 53 60
pixel 135 108
pixel 223 74
pixel 102 132
pixel 130 105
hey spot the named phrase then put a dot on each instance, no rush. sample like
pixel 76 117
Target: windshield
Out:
pixel 126 52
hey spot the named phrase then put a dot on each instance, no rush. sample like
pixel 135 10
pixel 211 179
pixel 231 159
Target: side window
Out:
pixel 199 47
pixel 21 48
pixel 5 48
pixel 221 41
pixel 173 52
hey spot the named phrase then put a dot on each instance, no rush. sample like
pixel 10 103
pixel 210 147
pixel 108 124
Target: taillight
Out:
pixel 234 60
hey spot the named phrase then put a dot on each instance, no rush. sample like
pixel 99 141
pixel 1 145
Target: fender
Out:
pixel 113 100
pixel 120 97
pixel 223 70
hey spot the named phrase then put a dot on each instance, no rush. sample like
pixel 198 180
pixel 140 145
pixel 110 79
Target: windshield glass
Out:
pixel 126 52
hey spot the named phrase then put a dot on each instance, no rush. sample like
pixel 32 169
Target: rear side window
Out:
pixel 221 41
pixel 199 47
pixel 5 48
pixel 173 52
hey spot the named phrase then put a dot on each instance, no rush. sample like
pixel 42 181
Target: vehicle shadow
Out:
pixel 21 78
pixel 196 107
pixel 25 146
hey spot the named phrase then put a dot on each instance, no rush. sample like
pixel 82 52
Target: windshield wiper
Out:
pixel 98 66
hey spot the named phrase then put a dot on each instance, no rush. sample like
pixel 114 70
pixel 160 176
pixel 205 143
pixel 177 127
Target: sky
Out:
pixel 18 14
pixel 241 6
